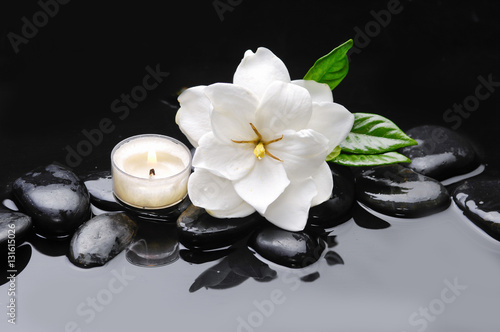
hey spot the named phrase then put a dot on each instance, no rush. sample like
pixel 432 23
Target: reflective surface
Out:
pixel 383 286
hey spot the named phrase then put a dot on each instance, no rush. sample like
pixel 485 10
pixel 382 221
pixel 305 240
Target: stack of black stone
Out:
pixel 55 204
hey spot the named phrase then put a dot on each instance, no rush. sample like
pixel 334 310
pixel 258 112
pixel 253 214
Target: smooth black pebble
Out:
pixel 441 153
pixel 398 191
pixel 197 229
pixel 13 225
pixel 101 238
pixel 55 198
pixel 291 249
pixel 335 210
pixel 480 201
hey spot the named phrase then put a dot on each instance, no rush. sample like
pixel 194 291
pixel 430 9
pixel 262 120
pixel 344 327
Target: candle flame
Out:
pixel 152 157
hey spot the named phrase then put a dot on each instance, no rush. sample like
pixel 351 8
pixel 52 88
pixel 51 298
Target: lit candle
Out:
pixel 150 171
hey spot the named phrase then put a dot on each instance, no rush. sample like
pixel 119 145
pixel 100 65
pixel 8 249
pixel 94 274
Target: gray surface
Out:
pixel 388 275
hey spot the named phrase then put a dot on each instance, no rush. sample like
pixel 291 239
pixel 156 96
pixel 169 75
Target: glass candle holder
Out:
pixel 150 171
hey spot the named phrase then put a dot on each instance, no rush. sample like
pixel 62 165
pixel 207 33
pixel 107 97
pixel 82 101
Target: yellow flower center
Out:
pixel 260 145
pixel 260 150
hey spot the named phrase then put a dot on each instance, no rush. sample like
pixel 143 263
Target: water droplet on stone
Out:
pixel 55 198
pixel 101 238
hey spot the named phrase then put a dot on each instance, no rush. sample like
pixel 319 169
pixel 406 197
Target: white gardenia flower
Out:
pixel 262 142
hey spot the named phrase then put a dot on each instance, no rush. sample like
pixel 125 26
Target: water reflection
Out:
pixel 365 219
pixel 238 263
pixel 155 244
pixel 49 247
pixel 22 258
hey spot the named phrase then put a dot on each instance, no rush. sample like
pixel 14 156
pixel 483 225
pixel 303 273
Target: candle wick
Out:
pixel 152 172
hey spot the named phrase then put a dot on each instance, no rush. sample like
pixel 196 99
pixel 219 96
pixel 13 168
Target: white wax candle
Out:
pixel 150 171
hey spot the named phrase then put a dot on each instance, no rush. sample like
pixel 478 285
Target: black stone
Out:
pixel 441 152
pixel 14 226
pixel 55 198
pixel 480 201
pixel 197 229
pixel 398 191
pixel 291 249
pixel 100 187
pixel 101 238
pixel 335 210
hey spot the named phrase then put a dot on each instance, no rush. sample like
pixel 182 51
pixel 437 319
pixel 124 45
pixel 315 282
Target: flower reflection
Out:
pixel 238 263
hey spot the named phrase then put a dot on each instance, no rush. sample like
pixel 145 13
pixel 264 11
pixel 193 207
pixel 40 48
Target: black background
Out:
pixel 64 79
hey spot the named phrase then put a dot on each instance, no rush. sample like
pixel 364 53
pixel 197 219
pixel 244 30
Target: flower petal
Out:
pixel 332 120
pixel 228 160
pixel 283 106
pixel 242 210
pixel 263 184
pixel 234 109
pixel 193 117
pixel 256 71
pixel 320 92
pixel 324 184
pixel 301 152
pixel 211 192
pixel 291 210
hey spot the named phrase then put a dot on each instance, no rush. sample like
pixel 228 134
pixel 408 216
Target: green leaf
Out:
pixel 334 153
pixel 331 68
pixel 370 159
pixel 373 134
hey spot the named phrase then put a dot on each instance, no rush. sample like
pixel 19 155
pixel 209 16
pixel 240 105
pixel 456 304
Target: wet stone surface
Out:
pixel 100 239
pixel 197 229
pixel 291 249
pixel 398 191
pixel 441 153
pixel 15 224
pixel 480 201
pixel 100 187
pixel 55 198
pixel 335 210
